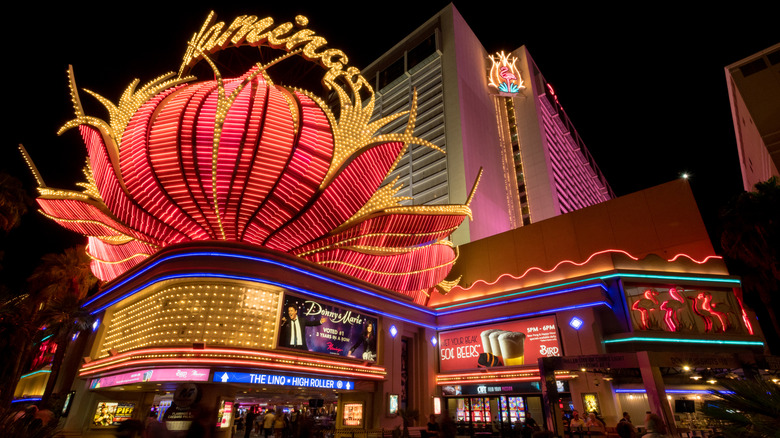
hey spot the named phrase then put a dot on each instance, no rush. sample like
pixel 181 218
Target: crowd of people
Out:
pixel 29 421
pixel 654 425
pixel 445 427
pixel 275 423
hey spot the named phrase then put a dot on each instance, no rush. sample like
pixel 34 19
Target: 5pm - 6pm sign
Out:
pixel 281 380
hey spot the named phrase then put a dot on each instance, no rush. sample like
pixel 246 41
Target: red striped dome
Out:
pixel 247 161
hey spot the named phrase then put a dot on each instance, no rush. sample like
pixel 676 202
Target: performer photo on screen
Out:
pixel 292 333
pixel 368 341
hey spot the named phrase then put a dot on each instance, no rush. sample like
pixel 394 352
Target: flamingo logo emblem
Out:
pixel 504 74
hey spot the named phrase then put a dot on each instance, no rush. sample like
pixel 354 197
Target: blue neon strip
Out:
pixel 256 280
pixel 45 338
pixel 671 391
pixel 296 289
pixel 260 260
pixel 34 373
pixel 497 303
pixel 603 277
pixel 436 312
pixel 18 400
pixel 523 315
pixel 684 341
pixel 673 277
pixel 272 262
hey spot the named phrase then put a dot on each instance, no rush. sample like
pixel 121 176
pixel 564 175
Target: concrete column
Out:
pixel 656 391
pixel 553 416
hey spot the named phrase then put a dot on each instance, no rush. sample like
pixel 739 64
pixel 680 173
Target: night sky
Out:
pixel 645 87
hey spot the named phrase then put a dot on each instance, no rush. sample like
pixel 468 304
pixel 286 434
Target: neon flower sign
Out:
pixel 246 160
pixel 504 75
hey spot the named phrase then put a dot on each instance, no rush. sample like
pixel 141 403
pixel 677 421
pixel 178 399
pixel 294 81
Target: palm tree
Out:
pixel 13 205
pixel 20 323
pixel 63 274
pixel 747 408
pixel 13 202
pixel 63 281
pixel 57 289
pixel 751 240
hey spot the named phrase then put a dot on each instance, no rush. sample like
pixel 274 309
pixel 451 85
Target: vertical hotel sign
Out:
pixel 504 75
pixel 509 343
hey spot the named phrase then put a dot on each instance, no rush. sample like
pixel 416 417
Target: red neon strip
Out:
pixel 421 268
pixel 544 271
pixel 139 177
pixel 707 322
pixel 391 230
pixel 303 174
pixel 744 315
pixel 344 196
pixel 188 154
pixel 169 154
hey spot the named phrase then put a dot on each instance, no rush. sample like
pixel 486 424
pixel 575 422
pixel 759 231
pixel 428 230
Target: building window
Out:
pixel 391 73
pixel 421 51
pixel 753 67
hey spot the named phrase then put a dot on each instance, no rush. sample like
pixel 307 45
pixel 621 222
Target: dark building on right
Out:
pixel 754 94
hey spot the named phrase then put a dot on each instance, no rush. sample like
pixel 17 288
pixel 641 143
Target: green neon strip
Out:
pixel 521 293
pixel 34 373
pixel 684 341
pixel 674 277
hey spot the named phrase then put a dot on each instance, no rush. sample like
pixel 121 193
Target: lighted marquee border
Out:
pixel 228 357
pixel 493 376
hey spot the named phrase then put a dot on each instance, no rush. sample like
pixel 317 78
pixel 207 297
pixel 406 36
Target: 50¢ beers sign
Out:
pixel 504 344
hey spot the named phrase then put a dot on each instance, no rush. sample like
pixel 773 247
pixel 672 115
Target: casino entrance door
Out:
pixel 483 413
pixel 321 403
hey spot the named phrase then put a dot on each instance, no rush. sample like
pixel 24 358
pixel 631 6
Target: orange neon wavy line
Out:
pixel 694 260
pixel 547 271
